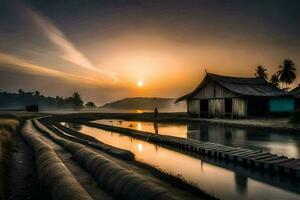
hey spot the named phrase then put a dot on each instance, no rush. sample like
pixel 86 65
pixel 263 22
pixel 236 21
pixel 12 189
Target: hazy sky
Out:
pixel 104 48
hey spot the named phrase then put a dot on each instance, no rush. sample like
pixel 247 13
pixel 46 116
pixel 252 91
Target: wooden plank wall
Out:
pixel 216 103
pixel 213 90
pixel 193 107
pixel 239 107
pixel 216 108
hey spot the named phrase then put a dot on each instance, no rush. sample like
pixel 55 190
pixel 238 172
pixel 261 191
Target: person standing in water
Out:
pixel 155 113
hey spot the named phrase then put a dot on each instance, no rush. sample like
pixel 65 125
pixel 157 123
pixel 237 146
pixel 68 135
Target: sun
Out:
pixel 140 83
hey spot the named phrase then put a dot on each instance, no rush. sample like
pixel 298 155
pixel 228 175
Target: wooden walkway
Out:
pixel 260 159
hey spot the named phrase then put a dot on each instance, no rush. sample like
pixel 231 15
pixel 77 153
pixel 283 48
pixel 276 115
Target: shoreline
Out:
pixel 269 124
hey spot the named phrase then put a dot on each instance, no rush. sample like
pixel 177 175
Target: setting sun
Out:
pixel 140 84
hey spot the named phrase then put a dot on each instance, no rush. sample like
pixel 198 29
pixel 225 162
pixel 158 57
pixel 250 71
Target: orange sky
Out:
pixel 103 55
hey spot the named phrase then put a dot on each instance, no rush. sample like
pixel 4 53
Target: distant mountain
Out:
pixel 142 103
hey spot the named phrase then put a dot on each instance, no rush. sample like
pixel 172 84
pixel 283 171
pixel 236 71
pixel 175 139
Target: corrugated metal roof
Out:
pixel 253 86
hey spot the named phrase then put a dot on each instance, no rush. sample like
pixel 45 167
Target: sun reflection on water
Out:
pixel 140 147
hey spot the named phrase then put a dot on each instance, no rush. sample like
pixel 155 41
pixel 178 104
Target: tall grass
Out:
pixel 8 129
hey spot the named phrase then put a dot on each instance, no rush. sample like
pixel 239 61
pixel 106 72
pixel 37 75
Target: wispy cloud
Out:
pixel 69 51
pixel 21 65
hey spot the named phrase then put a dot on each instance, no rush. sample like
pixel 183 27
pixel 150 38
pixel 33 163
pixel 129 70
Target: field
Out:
pixel 35 154
pixel 40 155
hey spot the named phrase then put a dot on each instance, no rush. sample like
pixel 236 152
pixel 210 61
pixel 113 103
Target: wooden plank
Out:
pixel 263 156
pixel 292 165
pixel 217 148
pixel 282 160
pixel 254 155
pixel 271 159
pixel 242 153
pixel 243 156
pixel 292 161
pixel 237 150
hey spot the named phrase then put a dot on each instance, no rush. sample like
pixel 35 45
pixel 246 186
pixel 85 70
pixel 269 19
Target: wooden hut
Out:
pixel 236 97
pixel 296 93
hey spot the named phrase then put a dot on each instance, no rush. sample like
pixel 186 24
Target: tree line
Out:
pixel 285 75
pixel 22 99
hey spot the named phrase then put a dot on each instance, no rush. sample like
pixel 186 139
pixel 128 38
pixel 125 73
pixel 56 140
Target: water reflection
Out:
pixel 274 142
pixel 223 183
pixel 74 126
pixel 177 130
pixel 270 141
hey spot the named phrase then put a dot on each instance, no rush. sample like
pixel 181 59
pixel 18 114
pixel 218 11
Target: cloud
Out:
pixel 20 65
pixel 69 51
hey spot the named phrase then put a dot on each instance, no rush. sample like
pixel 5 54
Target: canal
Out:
pixel 222 182
pixel 281 143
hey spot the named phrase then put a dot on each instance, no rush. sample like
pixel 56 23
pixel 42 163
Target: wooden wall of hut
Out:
pixel 193 107
pixel 216 95
pixel 216 108
pixel 239 107
pixel 213 90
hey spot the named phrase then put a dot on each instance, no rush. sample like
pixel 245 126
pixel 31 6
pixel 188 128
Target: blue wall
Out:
pixel 281 104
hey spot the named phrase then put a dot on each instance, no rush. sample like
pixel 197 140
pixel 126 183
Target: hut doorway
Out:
pixel 203 108
pixel 228 108
pixel 258 107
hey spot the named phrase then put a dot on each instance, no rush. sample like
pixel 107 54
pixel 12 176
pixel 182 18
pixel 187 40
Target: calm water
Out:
pixel 223 183
pixel 274 142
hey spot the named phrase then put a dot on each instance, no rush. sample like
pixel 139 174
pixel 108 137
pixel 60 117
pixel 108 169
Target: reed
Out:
pixel 8 129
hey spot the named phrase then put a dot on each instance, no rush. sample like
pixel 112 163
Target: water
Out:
pixel 222 182
pixel 280 143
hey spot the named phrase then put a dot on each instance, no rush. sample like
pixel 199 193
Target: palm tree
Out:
pixel 275 80
pixel 261 71
pixel 287 72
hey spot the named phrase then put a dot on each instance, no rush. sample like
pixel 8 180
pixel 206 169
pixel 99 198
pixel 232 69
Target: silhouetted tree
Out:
pixel 275 80
pixel 77 101
pixel 37 93
pixel 23 99
pixel 21 92
pixel 261 71
pixel 287 72
pixel 90 105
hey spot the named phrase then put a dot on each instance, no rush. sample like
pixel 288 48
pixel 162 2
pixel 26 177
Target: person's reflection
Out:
pixel 156 148
pixel 155 127
pixel 241 183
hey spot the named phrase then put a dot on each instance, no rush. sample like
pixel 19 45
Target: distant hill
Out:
pixel 142 103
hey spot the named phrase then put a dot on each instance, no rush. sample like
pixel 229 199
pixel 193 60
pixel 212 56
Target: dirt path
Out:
pixel 22 180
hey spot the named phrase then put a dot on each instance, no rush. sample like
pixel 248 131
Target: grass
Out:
pixel 8 128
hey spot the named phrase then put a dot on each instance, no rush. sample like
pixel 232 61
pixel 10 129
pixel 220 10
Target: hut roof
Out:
pixel 295 92
pixel 253 86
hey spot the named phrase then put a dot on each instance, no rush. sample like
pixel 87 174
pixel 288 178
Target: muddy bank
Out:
pixel 22 181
